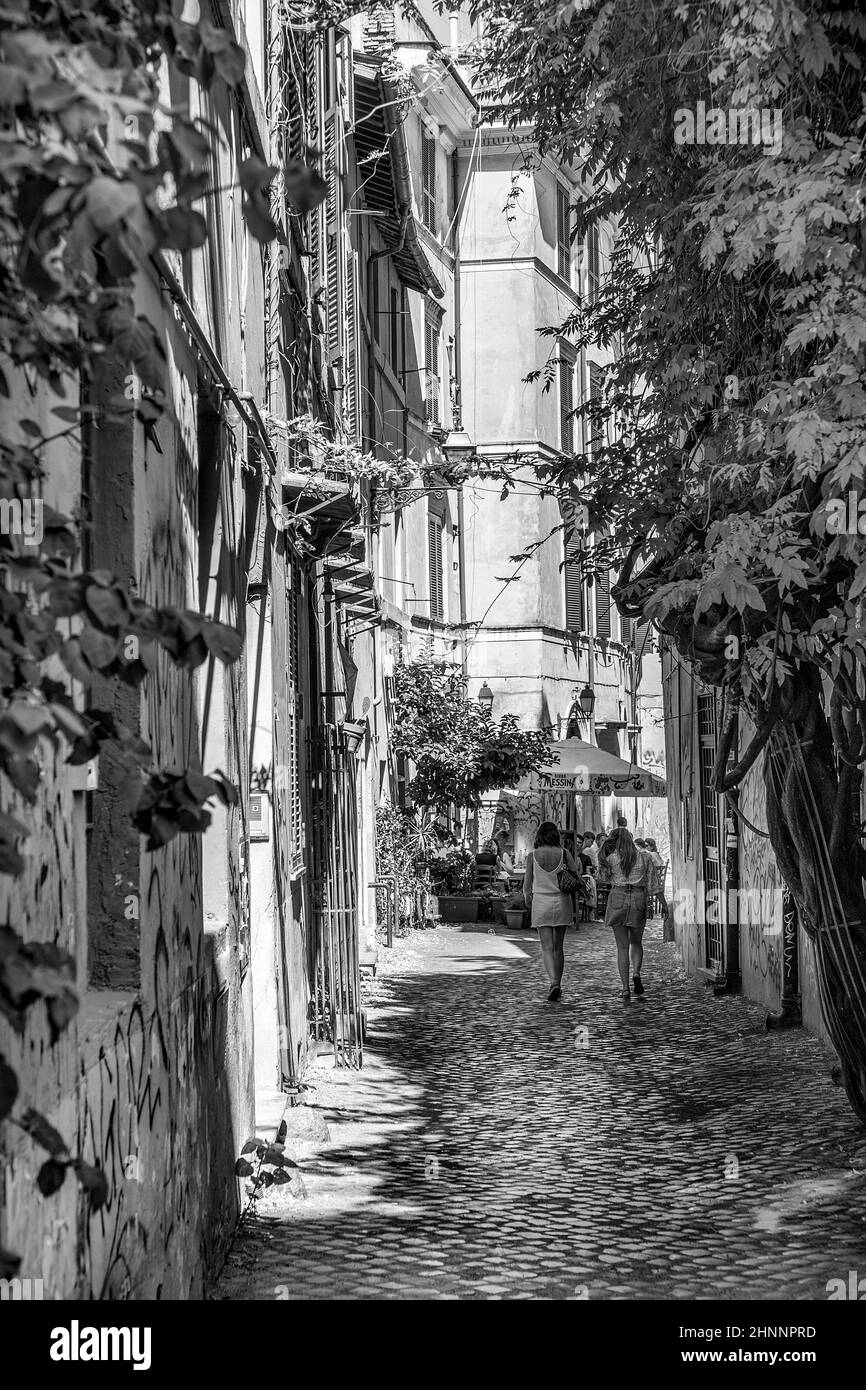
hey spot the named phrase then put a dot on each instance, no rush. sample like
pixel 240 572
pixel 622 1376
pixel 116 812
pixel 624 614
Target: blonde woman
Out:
pixel 552 912
pixel 630 870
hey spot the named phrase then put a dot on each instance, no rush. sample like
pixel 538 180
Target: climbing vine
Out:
pixel 97 181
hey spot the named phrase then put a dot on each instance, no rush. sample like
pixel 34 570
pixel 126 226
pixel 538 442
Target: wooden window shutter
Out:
pixel 642 639
pixel 394 322
pixel 566 405
pixel 428 180
pixel 431 369
pixel 352 392
pixel 596 399
pixel 313 136
pixel 375 313
pixel 293 601
pixel 563 241
pixel 602 604
pixel 594 266
pixel 434 532
pixel 333 267
pixel 575 617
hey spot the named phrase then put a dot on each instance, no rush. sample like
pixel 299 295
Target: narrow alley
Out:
pixel 494 1146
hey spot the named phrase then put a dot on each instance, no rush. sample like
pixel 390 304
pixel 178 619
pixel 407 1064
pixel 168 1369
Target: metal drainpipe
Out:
pixel 457 408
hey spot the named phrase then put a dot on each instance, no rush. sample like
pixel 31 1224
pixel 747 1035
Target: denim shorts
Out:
pixel 626 908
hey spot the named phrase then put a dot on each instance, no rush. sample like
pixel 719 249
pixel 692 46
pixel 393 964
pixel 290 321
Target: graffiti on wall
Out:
pixel 761 941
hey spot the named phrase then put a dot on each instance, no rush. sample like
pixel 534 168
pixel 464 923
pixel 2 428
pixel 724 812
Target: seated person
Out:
pixel 505 859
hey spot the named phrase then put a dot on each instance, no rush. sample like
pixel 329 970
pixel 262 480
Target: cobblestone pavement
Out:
pixel 495 1146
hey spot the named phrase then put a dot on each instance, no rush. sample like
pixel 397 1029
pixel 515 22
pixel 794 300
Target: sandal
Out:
pixel 553 994
pixel 625 994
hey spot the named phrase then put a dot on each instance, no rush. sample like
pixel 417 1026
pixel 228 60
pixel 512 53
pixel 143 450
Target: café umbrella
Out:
pixel 584 768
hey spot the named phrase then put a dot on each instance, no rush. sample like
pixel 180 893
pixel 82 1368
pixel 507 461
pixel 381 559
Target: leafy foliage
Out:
pixel 400 855
pixel 95 184
pixel 458 751
pixel 266 1165
pixel 732 422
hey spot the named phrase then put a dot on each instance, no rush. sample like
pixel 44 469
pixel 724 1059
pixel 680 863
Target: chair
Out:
pixel 486 875
pixel 602 893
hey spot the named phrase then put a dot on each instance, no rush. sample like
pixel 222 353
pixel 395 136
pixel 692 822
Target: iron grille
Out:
pixel 336 1002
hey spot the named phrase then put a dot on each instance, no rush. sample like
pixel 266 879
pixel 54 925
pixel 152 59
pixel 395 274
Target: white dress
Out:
pixel 550 908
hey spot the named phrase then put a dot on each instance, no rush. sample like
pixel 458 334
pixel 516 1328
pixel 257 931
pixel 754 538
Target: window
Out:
pixel 434 533
pixel 563 238
pixel 602 604
pixel 431 368
pixel 375 327
pixel 294 669
pixel 596 402
pixel 394 322
pixel 566 403
pixel 575 616
pixel 593 256
pixel 428 180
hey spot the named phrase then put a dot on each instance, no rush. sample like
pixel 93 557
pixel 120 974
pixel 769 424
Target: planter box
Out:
pixel 458 909
pixel 516 918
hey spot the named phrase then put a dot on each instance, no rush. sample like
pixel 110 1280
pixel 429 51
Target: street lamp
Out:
pixel 485 699
pixel 457 446
pixel 580 713
pixel 586 700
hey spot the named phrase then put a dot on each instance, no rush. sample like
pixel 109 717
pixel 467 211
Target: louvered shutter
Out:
pixel 428 180
pixel 563 242
pixel 602 604
pixel 431 365
pixel 351 402
pixel 333 239
pixel 296 712
pixel 434 531
pixel 313 135
pixel 566 405
pixel 596 397
pixel 642 638
pixel 575 618
pixel 594 257
pixel 394 322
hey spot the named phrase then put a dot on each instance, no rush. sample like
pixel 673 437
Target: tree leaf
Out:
pixel 8 1088
pixel 51 1177
pixel 42 1133
pixel 94 1181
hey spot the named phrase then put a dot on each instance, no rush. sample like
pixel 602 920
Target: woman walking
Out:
pixel 630 869
pixel 552 911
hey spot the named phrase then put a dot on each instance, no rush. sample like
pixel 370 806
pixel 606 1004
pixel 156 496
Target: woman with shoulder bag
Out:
pixel 550 880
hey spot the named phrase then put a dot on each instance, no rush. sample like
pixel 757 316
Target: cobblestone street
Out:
pixel 496 1146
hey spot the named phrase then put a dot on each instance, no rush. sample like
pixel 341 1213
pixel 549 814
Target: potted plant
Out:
pixel 516 914
pixel 452 877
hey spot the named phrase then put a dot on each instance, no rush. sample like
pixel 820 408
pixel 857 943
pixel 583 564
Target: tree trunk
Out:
pixel 814 832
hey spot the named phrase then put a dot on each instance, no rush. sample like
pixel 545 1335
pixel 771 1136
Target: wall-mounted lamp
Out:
pixel 457 446
pixel 353 734
pixel 485 699
pixel 586 700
